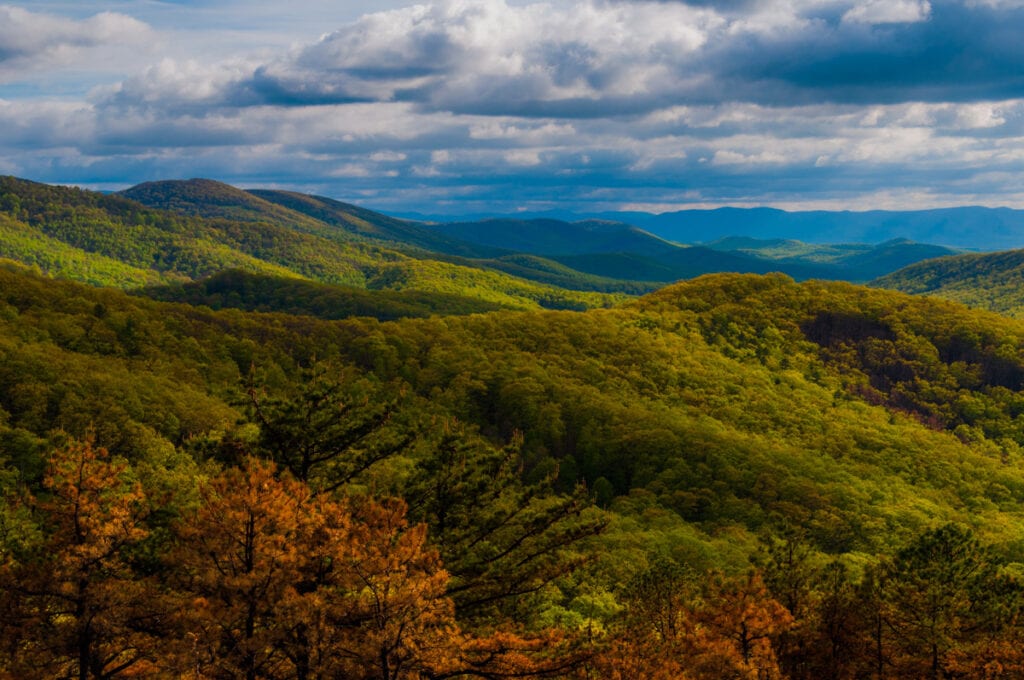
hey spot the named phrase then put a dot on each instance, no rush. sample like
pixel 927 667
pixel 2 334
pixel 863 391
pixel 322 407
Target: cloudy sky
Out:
pixel 453 106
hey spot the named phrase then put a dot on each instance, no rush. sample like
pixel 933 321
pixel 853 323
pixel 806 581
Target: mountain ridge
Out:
pixel 970 227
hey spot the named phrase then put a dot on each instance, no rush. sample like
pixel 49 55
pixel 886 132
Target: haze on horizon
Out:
pixel 463 106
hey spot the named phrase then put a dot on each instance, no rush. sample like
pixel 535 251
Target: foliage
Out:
pixel 866 440
pixel 990 281
pixel 238 289
pixel 112 240
pixel 76 608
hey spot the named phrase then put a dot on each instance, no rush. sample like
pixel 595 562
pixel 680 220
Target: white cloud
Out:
pixel 462 98
pixel 466 54
pixel 31 42
pixel 979 116
pixel 524 157
pixel 388 156
pixel 888 12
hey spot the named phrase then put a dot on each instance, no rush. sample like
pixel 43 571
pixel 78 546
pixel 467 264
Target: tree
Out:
pixel 78 608
pixel 236 560
pixel 835 641
pixel 741 612
pixel 789 572
pixel 500 538
pixel 332 429
pixel 277 583
pixel 724 631
pixel 943 595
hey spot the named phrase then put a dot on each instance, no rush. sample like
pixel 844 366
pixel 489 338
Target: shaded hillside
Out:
pixel 857 262
pixel 374 225
pixel 236 289
pixel 113 240
pixel 688 262
pixel 554 237
pixel 993 281
pixel 970 227
pixel 620 251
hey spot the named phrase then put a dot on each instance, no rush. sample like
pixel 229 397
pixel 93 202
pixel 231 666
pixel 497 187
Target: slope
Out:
pixel 554 237
pixel 856 262
pixel 700 415
pixel 210 198
pixel 621 251
pixel 964 227
pixel 113 240
pixel 993 281
pixel 374 225
pixel 376 236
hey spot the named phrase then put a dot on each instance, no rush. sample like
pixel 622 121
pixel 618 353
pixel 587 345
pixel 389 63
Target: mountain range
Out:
pixel 598 248
pixel 967 227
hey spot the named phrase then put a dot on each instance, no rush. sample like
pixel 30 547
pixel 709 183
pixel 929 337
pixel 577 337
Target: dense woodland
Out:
pixel 993 281
pixel 257 476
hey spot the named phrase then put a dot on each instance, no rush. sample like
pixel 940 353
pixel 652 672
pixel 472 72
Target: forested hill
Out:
pixel 599 255
pixel 573 471
pixel 993 281
pixel 113 240
pixel 693 393
pixel 375 225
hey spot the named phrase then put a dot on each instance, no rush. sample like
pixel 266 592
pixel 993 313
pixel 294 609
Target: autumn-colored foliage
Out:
pixel 721 628
pixel 274 582
pixel 76 607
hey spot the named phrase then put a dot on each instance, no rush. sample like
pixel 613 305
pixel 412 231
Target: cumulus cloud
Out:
pixel 602 58
pixel 593 102
pixel 31 41
pixel 485 56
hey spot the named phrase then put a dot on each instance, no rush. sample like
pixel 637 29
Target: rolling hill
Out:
pixel 733 438
pixel 599 251
pixel 621 251
pixel 993 281
pixel 115 240
pixel 730 403
pixel 852 261
pixel 374 225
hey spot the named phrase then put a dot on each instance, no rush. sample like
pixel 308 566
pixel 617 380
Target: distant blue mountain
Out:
pixel 969 227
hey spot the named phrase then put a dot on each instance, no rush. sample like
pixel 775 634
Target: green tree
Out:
pixel 500 538
pixel 332 427
pixel 942 594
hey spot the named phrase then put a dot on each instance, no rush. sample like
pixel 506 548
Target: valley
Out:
pixel 555 438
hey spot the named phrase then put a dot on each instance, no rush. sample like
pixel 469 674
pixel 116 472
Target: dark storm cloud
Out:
pixel 959 53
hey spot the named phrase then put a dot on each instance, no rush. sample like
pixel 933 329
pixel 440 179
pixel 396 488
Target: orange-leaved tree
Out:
pixel 274 581
pixel 676 630
pixel 278 583
pixel 76 607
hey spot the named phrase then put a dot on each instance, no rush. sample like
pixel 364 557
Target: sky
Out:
pixel 450 107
